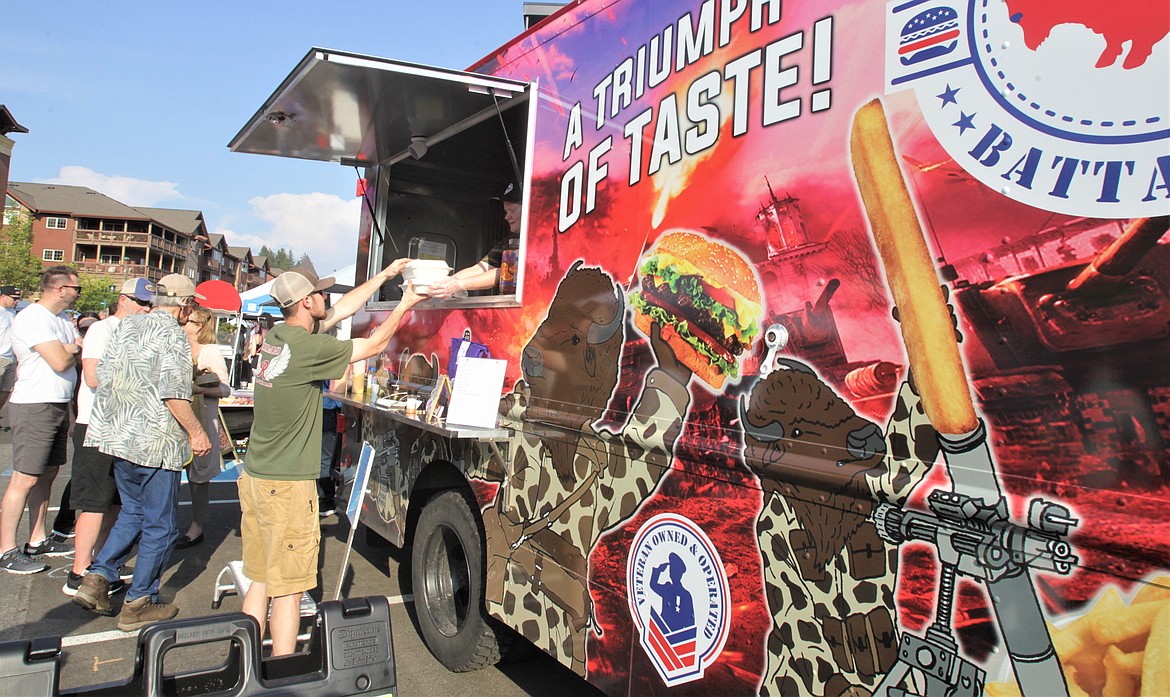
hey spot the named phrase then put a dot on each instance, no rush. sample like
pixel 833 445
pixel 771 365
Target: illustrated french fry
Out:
pixel 1130 662
pixel 1072 677
pixel 1113 621
pixel 1088 667
pixel 1119 677
pixel 1071 640
pixel 927 331
pixel 1156 667
pixel 1156 588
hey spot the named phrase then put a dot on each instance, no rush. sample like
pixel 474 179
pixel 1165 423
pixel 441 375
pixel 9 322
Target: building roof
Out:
pixel 260 260
pixel 188 222
pixel 8 123
pixel 77 201
pixel 240 252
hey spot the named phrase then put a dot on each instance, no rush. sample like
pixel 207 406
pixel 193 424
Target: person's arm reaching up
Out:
pixel 364 348
pixel 353 301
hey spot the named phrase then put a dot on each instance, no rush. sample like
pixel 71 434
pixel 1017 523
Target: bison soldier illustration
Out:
pixel 570 480
pixel 829 577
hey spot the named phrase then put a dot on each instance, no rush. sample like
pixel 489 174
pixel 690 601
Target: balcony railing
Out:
pixel 124 269
pixel 134 239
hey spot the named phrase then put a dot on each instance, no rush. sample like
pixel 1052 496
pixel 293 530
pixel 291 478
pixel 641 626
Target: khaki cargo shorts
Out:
pixel 281 532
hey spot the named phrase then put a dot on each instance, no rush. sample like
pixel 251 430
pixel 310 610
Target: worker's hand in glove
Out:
pixel 449 287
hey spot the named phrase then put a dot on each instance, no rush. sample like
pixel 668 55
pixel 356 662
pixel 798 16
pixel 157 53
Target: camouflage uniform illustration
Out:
pixel 828 576
pixel 568 480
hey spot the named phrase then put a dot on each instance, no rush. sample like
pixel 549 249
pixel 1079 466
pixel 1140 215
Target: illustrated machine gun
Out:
pixel 969 526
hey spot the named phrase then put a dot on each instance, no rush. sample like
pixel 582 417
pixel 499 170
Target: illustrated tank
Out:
pixel 1075 356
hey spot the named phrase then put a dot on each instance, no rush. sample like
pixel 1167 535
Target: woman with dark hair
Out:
pixel 211 384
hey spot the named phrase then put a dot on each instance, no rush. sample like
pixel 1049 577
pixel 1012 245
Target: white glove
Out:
pixel 449 287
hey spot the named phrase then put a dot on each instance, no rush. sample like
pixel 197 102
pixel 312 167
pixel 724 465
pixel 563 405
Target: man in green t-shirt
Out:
pixel 278 485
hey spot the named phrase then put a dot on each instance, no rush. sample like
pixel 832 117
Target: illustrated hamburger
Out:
pixel 707 299
pixel 929 34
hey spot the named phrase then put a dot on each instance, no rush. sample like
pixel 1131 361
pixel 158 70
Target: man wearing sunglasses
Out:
pixel 281 535
pixel 46 347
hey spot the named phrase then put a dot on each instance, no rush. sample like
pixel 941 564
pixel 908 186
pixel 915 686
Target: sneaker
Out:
pixel 51 546
pixel 73 584
pixel 94 595
pixel 140 612
pixel 15 561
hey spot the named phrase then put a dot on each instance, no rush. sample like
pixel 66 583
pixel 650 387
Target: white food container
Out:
pixel 424 272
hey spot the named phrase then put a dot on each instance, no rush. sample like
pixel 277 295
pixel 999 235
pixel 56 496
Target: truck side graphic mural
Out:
pixel 906 430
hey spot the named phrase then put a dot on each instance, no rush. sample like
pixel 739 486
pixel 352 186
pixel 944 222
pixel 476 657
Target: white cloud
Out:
pixel 324 226
pixel 132 192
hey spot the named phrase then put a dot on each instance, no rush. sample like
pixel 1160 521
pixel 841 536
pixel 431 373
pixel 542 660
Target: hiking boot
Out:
pixel 51 546
pixel 73 584
pixel 15 561
pixel 140 612
pixel 94 595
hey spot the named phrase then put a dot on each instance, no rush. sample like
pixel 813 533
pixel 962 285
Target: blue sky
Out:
pixel 138 100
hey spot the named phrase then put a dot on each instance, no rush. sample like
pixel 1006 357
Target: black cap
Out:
pixel 10 291
pixel 512 194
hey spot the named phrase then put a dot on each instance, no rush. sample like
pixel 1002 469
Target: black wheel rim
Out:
pixel 446 581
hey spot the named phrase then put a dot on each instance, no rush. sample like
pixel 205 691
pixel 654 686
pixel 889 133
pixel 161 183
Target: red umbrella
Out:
pixel 219 295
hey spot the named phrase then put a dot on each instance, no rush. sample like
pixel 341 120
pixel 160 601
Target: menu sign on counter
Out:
pixel 475 393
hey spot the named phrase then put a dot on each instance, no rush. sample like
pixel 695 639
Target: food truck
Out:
pixel 835 357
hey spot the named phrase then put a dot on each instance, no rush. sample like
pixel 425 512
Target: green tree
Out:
pixel 97 293
pixel 281 258
pixel 18 266
pixel 306 263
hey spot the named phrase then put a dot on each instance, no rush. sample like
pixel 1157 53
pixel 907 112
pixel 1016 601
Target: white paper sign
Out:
pixel 475 394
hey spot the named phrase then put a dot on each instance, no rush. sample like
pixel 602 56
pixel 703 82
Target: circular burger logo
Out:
pixel 1060 104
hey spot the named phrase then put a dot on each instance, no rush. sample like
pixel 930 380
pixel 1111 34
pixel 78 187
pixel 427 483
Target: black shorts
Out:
pixel 94 489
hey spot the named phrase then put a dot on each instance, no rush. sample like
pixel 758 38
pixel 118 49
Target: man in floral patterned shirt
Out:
pixel 142 417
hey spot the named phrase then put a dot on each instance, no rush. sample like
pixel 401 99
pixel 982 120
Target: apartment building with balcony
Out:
pixel 252 271
pixel 193 229
pixel 98 235
pixel 216 262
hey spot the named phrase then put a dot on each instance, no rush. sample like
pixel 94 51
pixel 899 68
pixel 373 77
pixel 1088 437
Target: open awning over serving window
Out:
pixel 361 110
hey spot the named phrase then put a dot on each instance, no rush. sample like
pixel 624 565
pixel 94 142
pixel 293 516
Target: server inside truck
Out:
pixel 497 270
pixel 456 200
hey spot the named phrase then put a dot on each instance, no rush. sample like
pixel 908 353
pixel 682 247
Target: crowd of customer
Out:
pixel 138 393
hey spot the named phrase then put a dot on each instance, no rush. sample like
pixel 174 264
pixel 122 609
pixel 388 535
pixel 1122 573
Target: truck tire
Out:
pixel 447 575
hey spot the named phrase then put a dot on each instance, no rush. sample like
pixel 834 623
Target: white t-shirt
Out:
pixel 96 338
pixel 36 381
pixel 6 317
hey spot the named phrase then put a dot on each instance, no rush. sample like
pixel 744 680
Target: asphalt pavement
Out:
pixel 96 652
